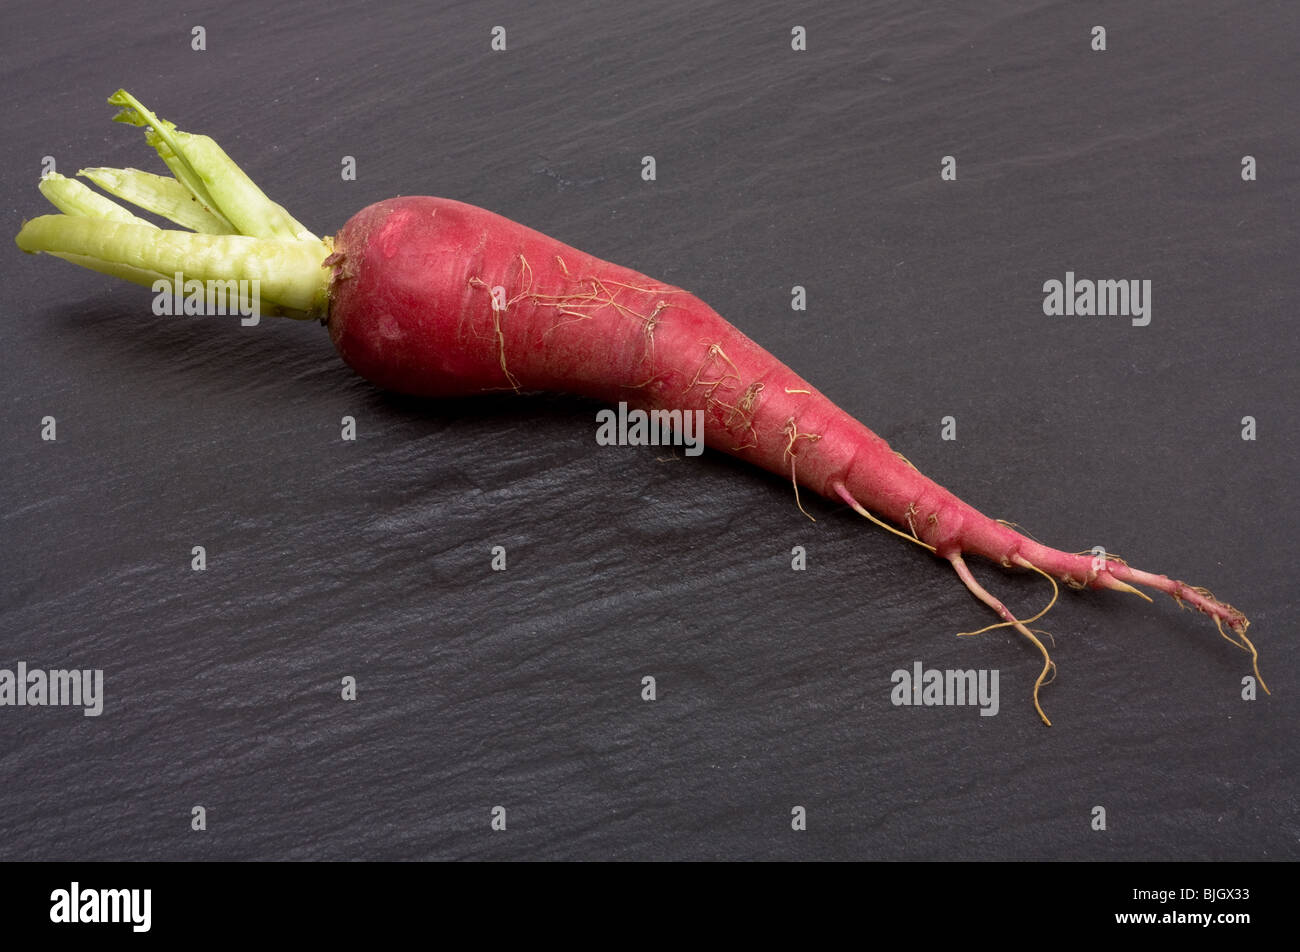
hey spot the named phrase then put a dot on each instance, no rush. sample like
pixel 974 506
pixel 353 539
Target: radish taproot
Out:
pixel 433 297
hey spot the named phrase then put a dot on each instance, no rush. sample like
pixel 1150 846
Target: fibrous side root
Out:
pixel 1119 574
pixel 976 589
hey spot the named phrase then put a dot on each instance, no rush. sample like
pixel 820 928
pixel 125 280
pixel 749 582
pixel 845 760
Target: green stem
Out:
pixel 113 268
pixel 161 195
pixel 239 234
pixel 72 198
pixel 203 167
pixel 289 273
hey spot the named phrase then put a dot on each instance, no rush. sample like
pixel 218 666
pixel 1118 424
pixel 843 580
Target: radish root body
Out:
pixel 432 297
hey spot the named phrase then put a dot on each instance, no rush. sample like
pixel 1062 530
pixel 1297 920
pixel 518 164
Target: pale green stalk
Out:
pixel 239 234
pixel 204 168
pixel 290 273
pixel 113 269
pixel 72 198
pixel 161 195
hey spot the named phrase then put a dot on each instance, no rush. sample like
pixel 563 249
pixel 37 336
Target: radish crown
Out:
pixel 234 232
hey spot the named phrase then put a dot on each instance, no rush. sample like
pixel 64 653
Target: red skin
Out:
pixel 411 310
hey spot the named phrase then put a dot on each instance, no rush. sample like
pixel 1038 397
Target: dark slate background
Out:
pixel 370 559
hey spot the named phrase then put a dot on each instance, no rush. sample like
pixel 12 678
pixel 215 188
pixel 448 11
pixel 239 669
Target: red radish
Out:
pixel 429 296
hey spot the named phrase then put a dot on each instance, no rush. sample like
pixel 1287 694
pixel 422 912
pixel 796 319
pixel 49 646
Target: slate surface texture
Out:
pixel 370 559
